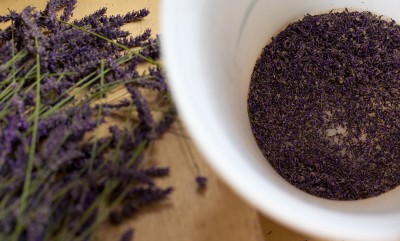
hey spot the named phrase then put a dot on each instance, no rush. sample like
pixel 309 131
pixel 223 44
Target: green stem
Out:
pixel 34 135
pixel 25 191
pixel 189 150
pixel 100 110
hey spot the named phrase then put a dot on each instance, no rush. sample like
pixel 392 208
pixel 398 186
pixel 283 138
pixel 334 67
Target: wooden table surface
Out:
pixel 216 214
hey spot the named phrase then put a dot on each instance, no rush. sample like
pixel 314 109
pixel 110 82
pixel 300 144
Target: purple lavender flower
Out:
pixel 127 236
pixel 118 20
pixel 37 228
pixel 135 15
pixel 91 19
pixel 165 123
pixel 68 10
pixel 137 41
pixel 8 136
pixel 129 209
pixel 141 105
pixel 156 171
pixel 201 181
pixel 115 217
pixel 75 173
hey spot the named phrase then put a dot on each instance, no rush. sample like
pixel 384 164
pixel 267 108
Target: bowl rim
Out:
pixel 285 209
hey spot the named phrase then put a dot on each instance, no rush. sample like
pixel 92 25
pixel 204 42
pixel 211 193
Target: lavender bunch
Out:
pixel 59 179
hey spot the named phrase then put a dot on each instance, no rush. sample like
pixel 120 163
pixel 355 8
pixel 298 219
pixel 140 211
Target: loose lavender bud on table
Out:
pixel 128 235
pixel 201 182
pixel 324 101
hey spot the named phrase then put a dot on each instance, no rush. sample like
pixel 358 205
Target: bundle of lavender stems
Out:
pixel 59 179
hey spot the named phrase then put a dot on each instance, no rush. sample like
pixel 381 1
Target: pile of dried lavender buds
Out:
pixel 58 179
pixel 324 104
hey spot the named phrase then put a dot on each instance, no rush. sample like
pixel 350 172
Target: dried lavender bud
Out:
pixel 129 209
pixel 153 194
pixel 68 10
pixel 166 122
pixel 323 104
pixel 127 236
pixel 132 42
pixel 141 105
pixel 201 182
pixel 152 49
pixel 156 171
pixel 115 217
pixel 121 104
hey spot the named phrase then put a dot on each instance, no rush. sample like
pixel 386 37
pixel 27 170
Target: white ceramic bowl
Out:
pixel 210 48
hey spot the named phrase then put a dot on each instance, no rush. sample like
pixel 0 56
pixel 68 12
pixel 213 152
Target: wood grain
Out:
pixel 213 214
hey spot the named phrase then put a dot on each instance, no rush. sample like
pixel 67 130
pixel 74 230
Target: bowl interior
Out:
pixel 211 48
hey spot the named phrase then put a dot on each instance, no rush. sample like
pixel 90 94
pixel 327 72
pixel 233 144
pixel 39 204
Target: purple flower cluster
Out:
pixel 323 104
pixel 71 175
